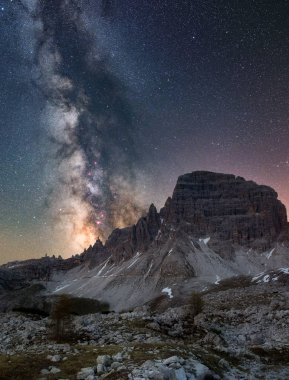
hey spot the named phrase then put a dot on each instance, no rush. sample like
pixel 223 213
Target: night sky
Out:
pixel 105 103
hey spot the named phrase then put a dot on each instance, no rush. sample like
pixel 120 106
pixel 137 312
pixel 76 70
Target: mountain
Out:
pixel 214 226
pixel 229 209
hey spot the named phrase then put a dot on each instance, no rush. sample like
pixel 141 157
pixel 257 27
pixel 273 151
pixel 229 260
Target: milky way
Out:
pixel 90 126
pixel 105 103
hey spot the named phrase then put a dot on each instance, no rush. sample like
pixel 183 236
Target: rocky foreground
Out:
pixel 242 333
pixel 214 235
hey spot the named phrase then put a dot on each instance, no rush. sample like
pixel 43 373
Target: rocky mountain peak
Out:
pixel 214 226
pixel 123 243
pixel 211 221
pixel 226 208
pixel 98 244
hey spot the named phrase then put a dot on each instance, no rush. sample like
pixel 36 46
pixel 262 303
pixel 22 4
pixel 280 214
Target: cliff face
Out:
pixel 213 227
pixel 228 209
pixel 123 243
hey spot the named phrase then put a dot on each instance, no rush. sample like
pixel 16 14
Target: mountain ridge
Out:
pixel 271 220
pixel 213 227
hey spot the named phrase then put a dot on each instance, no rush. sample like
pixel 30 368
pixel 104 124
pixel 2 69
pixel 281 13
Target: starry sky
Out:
pixel 104 103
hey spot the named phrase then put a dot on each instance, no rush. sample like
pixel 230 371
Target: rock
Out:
pixel 154 326
pixel 105 360
pixel 51 370
pixel 100 369
pixel 115 365
pixel 180 374
pixel 54 370
pixel 95 255
pixel 213 339
pixel 11 280
pixel 154 340
pixel 54 358
pixel 168 373
pixel 224 364
pixel 154 374
pixel 86 374
pixel 226 208
pixel 209 215
pixel 175 365
pixel 202 372
pixel 136 238
pixel 119 357
pixel 173 359
pixel 122 368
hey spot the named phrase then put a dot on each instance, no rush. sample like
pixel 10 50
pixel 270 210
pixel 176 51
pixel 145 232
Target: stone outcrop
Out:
pixel 226 207
pixel 95 254
pixel 37 269
pixel 123 243
pixel 213 227
pixel 241 332
pixel 10 281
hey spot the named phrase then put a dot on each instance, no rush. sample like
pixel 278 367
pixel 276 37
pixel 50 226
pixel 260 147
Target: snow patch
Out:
pixel 148 272
pixel 110 269
pixel 168 291
pixel 268 255
pixel 102 268
pixel 130 265
pixel 60 288
pixel 258 276
pixel 192 244
pixel 158 234
pixel 135 260
pixel 284 270
pixel 206 240
pixel 14 266
pixel 218 279
pixel 170 251
pixel 266 278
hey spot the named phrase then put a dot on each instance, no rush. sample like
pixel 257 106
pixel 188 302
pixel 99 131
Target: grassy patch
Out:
pixel 118 375
pixel 272 356
pixel 137 324
pixel 210 360
pixel 26 367
pixel 231 283
pixel 21 367
pixel 216 331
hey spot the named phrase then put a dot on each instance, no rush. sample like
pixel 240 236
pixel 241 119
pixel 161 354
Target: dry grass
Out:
pixel 28 367
pixel 231 283
pixel 21 367
pixel 272 356
pixel 119 375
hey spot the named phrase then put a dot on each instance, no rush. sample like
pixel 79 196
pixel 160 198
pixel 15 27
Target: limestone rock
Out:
pixel 227 208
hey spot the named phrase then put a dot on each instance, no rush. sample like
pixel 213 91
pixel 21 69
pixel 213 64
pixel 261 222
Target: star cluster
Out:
pixel 104 103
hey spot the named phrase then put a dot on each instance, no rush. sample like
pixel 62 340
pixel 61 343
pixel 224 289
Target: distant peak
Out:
pixel 152 208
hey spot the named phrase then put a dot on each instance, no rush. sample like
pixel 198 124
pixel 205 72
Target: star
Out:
pixel 96 110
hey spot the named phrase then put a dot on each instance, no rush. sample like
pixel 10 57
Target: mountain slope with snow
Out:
pixel 214 226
